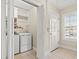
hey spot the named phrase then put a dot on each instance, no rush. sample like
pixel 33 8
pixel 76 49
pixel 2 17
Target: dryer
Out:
pixel 25 42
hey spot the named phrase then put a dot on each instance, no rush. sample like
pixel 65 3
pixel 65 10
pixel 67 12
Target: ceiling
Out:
pixel 61 4
pixel 22 4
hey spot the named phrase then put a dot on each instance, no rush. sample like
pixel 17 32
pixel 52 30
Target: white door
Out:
pixel 54 34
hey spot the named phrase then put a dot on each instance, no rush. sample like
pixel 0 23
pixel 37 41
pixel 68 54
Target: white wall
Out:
pixel 33 26
pixel 65 43
pixel 24 23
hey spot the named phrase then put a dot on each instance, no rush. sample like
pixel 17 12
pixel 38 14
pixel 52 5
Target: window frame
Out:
pixel 69 14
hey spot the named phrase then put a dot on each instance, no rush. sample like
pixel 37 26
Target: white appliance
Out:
pixel 16 44
pixel 25 42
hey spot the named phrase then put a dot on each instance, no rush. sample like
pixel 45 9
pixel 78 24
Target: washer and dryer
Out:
pixel 22 42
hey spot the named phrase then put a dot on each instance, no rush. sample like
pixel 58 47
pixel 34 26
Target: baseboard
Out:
pixel 34 49
pixel 47 53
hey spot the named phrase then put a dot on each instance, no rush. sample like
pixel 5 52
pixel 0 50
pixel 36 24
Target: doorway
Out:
pixel 25 31
pixel 10 28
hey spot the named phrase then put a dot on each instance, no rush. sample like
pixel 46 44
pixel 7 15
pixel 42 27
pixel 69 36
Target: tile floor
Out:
pixel 59 53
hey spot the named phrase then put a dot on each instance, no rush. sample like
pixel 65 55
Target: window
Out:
pixel 70 26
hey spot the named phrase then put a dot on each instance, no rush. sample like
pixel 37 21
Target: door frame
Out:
pixel 3 30
pixel 10 27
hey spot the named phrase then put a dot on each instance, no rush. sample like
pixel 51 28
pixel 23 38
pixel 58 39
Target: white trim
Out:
pixel 3 29
pixel 33 3
pixel 40 32
pixel 34 49
pixel 47 53
pixel 10 29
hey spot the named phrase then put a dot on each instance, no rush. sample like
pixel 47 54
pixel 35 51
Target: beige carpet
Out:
pixel 59 53
pixel 62 53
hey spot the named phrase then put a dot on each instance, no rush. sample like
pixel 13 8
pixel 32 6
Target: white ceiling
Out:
pixel 61 4
pixel 22 4
pixel 25 5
